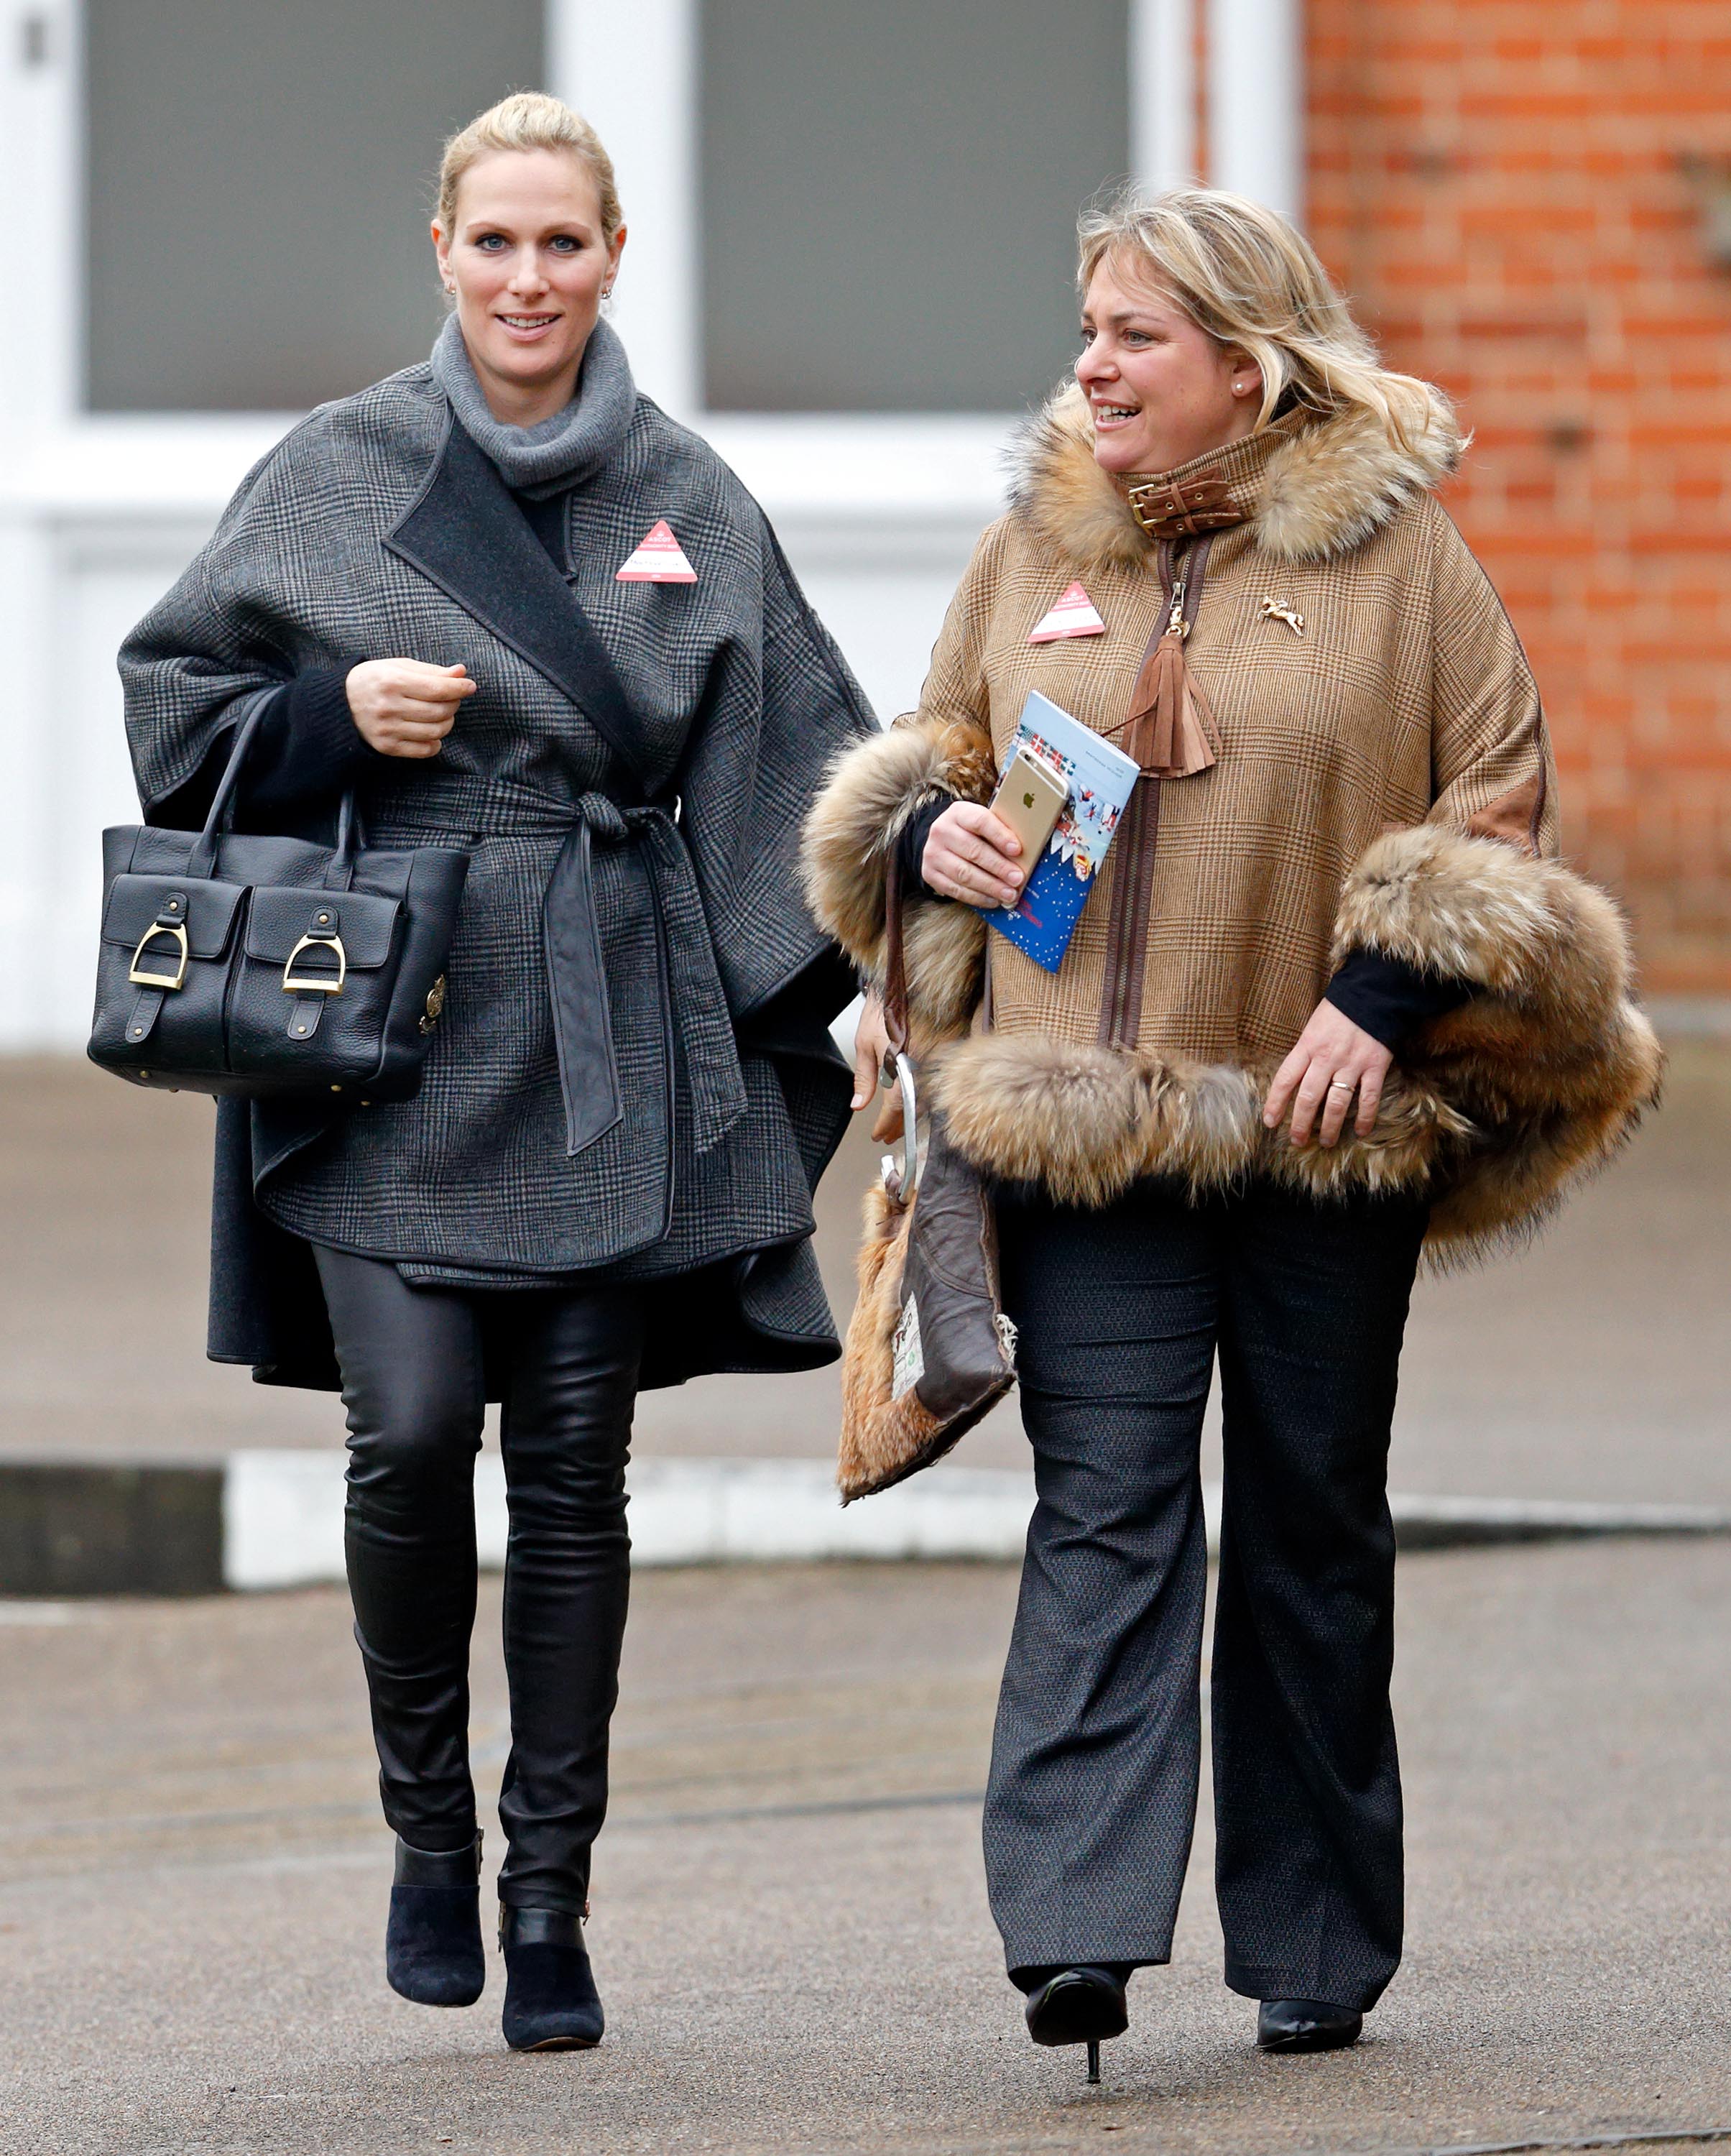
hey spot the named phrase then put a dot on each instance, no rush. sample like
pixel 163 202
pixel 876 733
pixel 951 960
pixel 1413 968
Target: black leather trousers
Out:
pixel 1124 1313
pixel 414 1365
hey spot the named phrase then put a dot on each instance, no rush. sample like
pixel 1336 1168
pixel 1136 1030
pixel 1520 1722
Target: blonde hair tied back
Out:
pixel 528 120
pixel 1248 278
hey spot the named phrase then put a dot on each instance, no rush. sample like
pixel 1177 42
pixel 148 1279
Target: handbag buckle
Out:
pixel 176 931
pixel 316 984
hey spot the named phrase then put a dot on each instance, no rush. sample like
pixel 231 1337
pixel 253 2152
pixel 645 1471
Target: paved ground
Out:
pixel 791 1927
pixel 1598 1365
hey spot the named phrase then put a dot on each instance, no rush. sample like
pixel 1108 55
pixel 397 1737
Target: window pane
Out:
pixel 890 196
pixel 260 180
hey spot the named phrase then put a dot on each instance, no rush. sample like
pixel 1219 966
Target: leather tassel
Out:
pixel 1170 731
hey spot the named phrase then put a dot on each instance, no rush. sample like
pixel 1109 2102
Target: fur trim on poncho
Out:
pixel 1327 484
pixel 873 792
pixel 1493 1110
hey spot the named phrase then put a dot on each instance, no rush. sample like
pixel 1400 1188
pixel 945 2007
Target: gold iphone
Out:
pixel 1030 798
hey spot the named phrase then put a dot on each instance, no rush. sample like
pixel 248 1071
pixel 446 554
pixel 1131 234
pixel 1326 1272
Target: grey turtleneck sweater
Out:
pixel 558 453
pixel 307 743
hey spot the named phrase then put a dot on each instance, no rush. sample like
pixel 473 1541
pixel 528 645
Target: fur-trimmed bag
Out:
pixel 928 1351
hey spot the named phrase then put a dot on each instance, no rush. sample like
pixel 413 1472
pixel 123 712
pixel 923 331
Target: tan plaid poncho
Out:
pixel 1383 779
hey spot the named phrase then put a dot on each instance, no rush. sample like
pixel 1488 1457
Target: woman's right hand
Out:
pixel 972 855
pixel 403 707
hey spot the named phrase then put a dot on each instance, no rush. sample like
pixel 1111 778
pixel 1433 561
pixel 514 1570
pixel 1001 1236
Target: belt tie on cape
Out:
pixel 576 977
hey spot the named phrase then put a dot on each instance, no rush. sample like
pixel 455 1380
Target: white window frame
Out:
pixel 59 458
pixel 633 70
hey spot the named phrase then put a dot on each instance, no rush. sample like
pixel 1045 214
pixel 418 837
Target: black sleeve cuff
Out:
pixel 307 745
pixel 910 848
pixel 1390 1000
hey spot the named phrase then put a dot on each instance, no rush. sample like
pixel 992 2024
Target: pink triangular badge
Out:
pixel 660 559
pixel 1073 615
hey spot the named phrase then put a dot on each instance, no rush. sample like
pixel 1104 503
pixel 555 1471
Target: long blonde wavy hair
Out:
pixel 1248 278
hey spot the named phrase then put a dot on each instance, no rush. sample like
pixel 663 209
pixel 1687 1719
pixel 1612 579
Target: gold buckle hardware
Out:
pixel 316 984
pixel 1141 501
pixel 177 979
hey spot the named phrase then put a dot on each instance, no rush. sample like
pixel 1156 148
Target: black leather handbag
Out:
pixel 271 967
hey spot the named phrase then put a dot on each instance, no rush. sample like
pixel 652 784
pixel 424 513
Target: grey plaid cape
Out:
pixel 637 781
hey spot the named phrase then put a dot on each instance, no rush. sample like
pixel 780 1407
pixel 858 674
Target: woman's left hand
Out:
pixel 871 1045
pixel 1333 1064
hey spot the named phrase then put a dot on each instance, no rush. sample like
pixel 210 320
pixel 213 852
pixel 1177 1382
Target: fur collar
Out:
pixel 1320 487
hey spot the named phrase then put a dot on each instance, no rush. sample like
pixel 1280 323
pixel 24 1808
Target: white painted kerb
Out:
pixel 281 1515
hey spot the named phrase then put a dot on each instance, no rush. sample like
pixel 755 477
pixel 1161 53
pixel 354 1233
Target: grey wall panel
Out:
pixel 889 195
pixel 260 177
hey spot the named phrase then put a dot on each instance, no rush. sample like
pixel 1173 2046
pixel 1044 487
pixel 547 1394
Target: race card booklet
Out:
pixel 1101 779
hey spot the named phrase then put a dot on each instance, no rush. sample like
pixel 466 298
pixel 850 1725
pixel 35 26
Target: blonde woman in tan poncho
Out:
pixel 1333 999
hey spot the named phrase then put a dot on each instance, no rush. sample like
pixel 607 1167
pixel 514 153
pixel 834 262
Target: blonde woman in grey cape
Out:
pixel 605 1181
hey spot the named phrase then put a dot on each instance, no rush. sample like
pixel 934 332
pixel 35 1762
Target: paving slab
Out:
pixel 790 1925
pixel 1596 1366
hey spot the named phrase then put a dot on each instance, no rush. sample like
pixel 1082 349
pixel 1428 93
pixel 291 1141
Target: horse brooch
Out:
pixel 1272 611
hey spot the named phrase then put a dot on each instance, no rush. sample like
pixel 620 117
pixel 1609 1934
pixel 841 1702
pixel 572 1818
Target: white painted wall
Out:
pixel 98 515
pixel 1256 109
pixel 632 72
pixel 1163 107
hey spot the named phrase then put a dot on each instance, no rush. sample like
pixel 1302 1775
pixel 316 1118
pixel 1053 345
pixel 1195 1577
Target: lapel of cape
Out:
pixel 464 533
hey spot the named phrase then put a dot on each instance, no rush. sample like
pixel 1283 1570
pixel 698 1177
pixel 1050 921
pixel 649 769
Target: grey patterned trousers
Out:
pixel 1092 1791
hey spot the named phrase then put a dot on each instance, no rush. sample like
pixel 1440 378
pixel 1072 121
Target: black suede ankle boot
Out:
pixel 550 2002
pixel 433 1937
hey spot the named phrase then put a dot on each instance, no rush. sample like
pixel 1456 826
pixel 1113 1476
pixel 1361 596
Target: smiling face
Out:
pixel 529 264
pixel 1160 389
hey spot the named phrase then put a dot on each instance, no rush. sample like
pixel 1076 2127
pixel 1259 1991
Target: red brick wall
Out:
pixel 1498 184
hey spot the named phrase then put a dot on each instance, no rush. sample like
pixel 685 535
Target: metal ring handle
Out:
pixel 902 1178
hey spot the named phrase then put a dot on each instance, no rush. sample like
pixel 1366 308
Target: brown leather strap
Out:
pixel 1127 928
pixel 1138 839
pixel 1179 509
pixel 1196 567
pixel 895 971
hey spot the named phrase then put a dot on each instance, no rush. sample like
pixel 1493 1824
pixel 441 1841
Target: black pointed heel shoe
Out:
pixel 433 1937
pixel 1306 2024
pixel 1082 2005
pixel 550 2002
